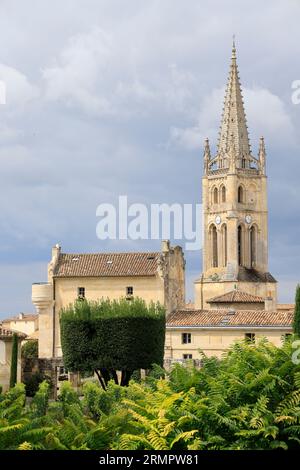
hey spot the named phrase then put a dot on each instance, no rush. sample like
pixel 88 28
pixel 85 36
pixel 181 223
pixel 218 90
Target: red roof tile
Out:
pixel 107 264
pixel 236 296
pixel 226 318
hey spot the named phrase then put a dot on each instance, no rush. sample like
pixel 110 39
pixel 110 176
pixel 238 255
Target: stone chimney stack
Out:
pixel 270 304
pixel 165 246
pixel 56 250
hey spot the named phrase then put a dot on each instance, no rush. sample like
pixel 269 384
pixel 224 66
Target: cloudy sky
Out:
pixel 113 97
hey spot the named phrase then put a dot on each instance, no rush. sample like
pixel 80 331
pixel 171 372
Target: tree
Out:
pixel 30 349
pixel 14 361
pixel 110 336
pixel 296 324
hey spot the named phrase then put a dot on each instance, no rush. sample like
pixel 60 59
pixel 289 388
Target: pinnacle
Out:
pixel 233 125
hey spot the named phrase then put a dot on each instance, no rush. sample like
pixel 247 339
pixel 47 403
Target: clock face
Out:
pixel 218 219
pixel 248 219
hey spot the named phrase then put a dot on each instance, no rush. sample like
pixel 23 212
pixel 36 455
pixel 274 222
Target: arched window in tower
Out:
pixel 224 244
pixel 243 162
pixel 223 194
pixel 240 245
pixel 253 233
pixel 214 246
pixel 216 196
pixel 240 194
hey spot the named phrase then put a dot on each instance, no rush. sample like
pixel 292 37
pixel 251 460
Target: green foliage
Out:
pixel 30 349
pixel 33 381
pixel 250 399
pixel 296 324
pixel 112 335
pixel 14 362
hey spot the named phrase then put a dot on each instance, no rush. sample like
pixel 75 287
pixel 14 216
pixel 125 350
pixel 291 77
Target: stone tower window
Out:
pixel 240 194
pixel 216 196
pixel 224 244
pixel 214 246
pixel 223 194
pixel 252 246
pixel 240 245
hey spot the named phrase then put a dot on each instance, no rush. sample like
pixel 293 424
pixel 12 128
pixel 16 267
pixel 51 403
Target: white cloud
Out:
pixel 79 67
pixel 18 90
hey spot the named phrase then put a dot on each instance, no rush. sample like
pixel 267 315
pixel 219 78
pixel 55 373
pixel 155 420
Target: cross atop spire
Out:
pixel 233 125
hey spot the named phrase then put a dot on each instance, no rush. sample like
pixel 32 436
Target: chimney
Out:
pixel 21 316
pixel 56 252
pixel 165 246
pixel 270 304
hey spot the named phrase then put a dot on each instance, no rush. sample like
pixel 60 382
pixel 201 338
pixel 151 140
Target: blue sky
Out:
pixel 116 97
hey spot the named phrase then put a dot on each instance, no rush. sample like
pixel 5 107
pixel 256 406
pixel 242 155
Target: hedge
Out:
pixel 116 336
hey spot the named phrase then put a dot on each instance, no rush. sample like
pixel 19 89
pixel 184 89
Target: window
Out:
pixel 129 290
pixel 223 194
pixel 214 246
pixel 224 241
pixel 187 356
pixel 250 337
pixel 252 246
pixel 240 245
pixel 215 196
pixel 186 338
pixel 240 194
pixel 81 293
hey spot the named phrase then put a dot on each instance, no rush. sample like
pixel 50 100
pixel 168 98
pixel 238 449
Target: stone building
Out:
pixel 6 340
pixel 157 276
pixel 236 296
pixel 24 322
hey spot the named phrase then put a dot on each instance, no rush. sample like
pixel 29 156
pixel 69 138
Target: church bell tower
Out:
pixel 234 197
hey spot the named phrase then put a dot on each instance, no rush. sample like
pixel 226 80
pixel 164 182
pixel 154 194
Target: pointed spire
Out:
pixel 262 156
pixel 234 118
pixel 206 155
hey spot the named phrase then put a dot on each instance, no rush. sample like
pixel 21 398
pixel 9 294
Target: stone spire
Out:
pixel 234 119
pixel 206 156
pixel 262 156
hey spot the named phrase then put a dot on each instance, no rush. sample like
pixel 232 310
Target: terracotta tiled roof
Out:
pixel 107 264
pixel 236 296
pixel 223 318
pixel 284 307
pixel 6 333
pixel 25 317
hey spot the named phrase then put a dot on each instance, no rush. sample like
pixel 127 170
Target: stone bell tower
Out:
pixel 234 197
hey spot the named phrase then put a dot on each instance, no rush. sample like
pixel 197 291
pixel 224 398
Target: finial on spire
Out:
pixel 206 155
pixel 233 56
pixel 262 156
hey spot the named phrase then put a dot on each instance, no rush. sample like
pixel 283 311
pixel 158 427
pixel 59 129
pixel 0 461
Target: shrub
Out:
pixel 109 336
pixel 14 362
pixel 30 349
pixel 33 381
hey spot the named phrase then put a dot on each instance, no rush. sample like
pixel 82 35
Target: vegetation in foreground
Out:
pixel 248 400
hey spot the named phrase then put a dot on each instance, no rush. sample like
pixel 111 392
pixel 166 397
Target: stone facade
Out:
pixel 158 277
pixel 24 322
